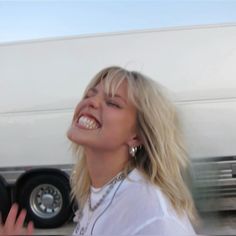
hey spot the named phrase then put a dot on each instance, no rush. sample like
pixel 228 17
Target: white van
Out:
pixel 41 82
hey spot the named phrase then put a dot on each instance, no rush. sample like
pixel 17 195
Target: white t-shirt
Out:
pixel 133 207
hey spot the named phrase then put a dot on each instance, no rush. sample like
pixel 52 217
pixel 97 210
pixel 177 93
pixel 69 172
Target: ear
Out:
pixel 134 141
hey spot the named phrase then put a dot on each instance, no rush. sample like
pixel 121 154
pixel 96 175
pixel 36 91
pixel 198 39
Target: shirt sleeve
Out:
pixel 164 227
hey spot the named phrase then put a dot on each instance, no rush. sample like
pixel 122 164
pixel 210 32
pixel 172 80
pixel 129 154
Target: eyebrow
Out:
pixel 118 96
pixel 95 91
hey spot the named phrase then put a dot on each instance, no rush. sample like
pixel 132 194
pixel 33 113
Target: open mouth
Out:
pixel 87 122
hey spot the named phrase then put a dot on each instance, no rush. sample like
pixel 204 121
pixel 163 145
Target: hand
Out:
pixel 14 225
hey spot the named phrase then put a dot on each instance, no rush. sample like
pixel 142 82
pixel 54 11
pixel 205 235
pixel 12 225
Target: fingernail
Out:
pixel 15 204
pixel 23 211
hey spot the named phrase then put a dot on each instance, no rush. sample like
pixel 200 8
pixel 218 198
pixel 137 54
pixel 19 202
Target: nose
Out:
pixel 94 101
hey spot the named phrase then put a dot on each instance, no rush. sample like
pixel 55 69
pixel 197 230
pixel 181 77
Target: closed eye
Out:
pixel 113 104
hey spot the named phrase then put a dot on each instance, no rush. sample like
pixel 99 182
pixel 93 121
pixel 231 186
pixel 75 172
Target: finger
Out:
pixel 1 229
pixel 20 221
pixel 11 218
pixel 30 228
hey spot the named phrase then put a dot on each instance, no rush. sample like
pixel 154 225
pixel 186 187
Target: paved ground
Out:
pixel 223 224
pixel 220 224
pixel 65 230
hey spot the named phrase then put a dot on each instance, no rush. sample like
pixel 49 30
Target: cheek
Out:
pixel 77 109
pixel 120 124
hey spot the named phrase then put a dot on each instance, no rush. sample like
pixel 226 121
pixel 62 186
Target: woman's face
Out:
pixel 104 122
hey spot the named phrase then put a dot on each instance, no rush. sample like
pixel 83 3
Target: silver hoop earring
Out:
pixel 132 151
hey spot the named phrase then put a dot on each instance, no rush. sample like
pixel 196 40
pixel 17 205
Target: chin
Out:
pixel 72 135
pixel 75 137
pixel 69 133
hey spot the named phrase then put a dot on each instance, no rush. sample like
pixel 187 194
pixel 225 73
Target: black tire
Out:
pixel 5 202
pixel 46 198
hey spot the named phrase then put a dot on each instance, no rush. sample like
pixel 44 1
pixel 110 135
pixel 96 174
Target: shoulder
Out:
pixel 139 194
pixel 149 210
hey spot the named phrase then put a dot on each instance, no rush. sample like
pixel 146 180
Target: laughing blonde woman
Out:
pixel 130 158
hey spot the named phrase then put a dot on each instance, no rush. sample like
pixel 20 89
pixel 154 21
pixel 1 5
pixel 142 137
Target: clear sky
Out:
pixel 23 20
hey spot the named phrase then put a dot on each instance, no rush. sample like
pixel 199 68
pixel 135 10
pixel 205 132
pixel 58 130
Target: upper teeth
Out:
pixel 88 122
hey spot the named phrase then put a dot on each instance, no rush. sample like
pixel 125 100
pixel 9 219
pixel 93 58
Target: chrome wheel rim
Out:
pixel 46 201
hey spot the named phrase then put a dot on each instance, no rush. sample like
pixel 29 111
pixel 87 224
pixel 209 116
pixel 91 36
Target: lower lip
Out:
pixel 82 127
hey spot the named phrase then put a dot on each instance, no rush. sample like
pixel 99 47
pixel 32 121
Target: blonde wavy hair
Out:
pixel 162 158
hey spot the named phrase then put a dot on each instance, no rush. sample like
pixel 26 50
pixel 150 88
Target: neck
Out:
pixel 103 166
